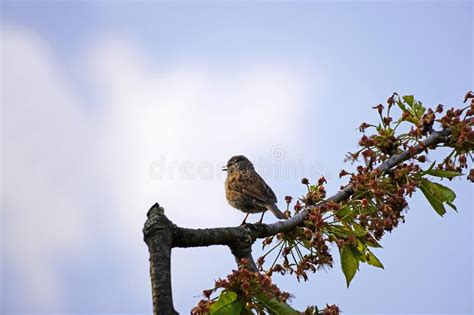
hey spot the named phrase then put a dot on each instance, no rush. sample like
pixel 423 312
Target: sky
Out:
pixel 108 107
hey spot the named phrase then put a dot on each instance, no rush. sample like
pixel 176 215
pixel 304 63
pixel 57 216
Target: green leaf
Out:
pixel 372 242
pixel 344 211
pixel 411 118
pixel 274 306
pixel 401 105
pixel 437 206
pixel 358 252
pixel 437 195
pixel 227 304
pixel 371 208
pixel 449 203
pixel 346 214
pixel 340 230
pixel 418 109
pixel 409 99
pixel 359 230
pixel 373 260
pixel 442 173
pixel 440 192
pixel 363 254
pixel 431 166
pixel 349 263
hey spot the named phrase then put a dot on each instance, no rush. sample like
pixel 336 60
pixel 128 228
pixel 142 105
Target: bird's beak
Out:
pixel 224 168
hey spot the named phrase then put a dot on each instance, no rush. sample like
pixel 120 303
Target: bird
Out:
pixel 246 190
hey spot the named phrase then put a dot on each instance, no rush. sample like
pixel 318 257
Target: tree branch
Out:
pixel 161 235
pixel 184 237
pixel 435 138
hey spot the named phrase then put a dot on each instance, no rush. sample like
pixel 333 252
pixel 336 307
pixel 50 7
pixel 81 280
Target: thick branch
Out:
pixel 239 239
pixel 158 233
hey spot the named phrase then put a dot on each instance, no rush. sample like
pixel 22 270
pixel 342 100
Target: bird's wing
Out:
pixel 259 190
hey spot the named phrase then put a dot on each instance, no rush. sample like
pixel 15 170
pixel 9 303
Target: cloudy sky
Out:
pixel 108 107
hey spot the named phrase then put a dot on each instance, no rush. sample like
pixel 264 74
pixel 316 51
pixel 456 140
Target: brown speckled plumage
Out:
pixel 246 190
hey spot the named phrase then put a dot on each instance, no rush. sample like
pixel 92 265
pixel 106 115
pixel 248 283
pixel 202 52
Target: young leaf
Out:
pixel 437 205
pixel 411 118
pixel 275 306
pixel 372 242
pixel 359 252
pixel 349 263
pixel 437 195
pixel 227 304
pixel 418 109
pixel 449 203
pixel 373 260
pixel 440 192
pixel 363 254
pixel 442 173
pixel 402 106
pixel 344 212
pixel 431 166
pixel 340 231
pixel 358 229
pixel 409 99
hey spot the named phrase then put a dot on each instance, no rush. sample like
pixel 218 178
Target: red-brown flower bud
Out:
pixel 343 173
pixel 207 293
pixel 471 175
pixel 379 108
pixel 297 206
pixel 390 101
pixel 422 158
pixel 468 96
pixel 363 126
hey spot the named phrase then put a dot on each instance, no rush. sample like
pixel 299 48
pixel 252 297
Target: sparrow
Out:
pixel 246 190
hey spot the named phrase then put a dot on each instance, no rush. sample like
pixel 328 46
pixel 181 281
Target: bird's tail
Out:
pixel 274 209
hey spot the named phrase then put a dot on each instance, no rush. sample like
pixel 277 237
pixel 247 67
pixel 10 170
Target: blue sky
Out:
pixel 108 107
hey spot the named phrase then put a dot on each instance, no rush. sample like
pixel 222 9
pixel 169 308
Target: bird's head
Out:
pixel 238 163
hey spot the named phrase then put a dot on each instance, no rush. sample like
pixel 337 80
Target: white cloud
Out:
pixel 202 114
pixel 42 138
pixel 194 113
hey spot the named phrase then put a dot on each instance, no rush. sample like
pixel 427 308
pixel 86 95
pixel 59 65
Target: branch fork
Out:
pixel 161 235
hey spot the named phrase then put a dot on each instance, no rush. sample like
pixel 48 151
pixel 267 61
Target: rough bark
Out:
pixel 158 233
